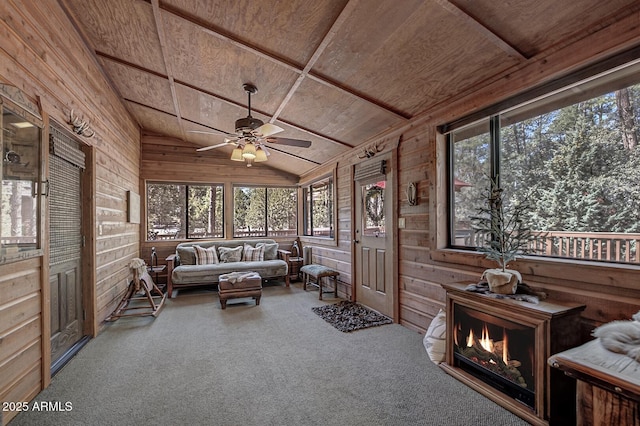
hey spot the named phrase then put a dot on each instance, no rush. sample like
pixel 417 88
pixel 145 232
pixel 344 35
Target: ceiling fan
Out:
pixel 251 135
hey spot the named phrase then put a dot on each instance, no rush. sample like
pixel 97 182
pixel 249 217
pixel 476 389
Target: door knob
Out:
pixel 356 241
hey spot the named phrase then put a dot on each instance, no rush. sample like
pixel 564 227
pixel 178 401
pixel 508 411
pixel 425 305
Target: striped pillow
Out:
pixel 206 256
pixel 252 254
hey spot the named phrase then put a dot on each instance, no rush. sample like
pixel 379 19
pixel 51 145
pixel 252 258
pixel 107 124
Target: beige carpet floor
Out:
pixel 274 364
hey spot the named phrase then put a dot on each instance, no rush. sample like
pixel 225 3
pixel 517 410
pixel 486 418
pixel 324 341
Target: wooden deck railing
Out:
pixel 605 246
pixel 177 235
pixel 18 240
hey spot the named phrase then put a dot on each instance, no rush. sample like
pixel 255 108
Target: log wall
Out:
pixel 42 54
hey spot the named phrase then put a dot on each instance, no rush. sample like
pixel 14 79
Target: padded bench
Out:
pixel 239 284
pixel 318 272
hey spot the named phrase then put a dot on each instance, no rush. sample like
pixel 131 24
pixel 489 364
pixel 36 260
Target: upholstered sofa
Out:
pixel 183 270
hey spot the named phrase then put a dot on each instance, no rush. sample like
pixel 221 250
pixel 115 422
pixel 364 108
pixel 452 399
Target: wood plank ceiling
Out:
pixel 335 72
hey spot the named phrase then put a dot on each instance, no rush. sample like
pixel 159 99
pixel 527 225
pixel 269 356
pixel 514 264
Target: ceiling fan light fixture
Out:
pixel 236 154
pixel 250 135
pixel 249 151
pixel 260 155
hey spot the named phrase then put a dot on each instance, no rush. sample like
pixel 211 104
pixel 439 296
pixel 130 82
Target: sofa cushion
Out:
pixel 252 254
pixel 229 255
pixel 270 250
pixel 187 255
pixel 206 256
pixel 208 274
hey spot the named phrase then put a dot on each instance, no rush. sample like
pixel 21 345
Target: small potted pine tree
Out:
pixel 505 238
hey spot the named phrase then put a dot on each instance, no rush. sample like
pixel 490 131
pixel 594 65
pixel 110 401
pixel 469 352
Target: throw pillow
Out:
pixel 187 255
pixel 229 255
pixel 206 256
pixel 435 339
pixel 253 254
pixel 270 250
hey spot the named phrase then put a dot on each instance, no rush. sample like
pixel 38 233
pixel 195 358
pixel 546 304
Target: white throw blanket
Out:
pixel 622 337
pixel 238 277
pixel 139 269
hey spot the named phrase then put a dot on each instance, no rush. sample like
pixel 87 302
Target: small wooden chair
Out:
pixel 318 272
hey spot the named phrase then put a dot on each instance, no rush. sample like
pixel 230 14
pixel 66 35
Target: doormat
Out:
pixel 350 316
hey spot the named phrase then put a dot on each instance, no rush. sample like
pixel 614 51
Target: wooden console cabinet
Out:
pixel 554 328
pixel 608 384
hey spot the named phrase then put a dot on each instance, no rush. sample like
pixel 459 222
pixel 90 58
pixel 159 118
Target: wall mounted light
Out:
pixel 412 194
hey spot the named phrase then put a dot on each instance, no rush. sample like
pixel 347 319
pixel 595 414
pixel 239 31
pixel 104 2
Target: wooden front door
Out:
pixel 65 247
pixel 373 242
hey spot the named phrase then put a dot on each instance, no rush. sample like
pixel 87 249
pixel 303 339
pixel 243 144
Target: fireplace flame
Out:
pixel 500 349
pixel 470 339
pixel 505 356
pixel 485 341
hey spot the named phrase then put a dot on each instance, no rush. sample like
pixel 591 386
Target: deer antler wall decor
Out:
pixel 80 126
pixel 371 150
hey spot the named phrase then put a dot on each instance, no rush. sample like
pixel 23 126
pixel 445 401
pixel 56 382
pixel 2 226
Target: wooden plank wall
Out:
pixel 609 293
pixel 170 160
pixel 20 331
pixel 42 54
pixel 336 253
pixel 424 264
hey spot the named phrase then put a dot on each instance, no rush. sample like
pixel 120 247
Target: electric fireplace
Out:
pixel 500 347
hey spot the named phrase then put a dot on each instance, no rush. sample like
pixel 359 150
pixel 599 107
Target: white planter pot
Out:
pixel 502 282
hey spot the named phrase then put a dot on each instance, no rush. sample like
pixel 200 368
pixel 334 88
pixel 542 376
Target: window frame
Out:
pixel 221 186
pixel 445 249
pixel 14 102
pixel 331 178
pixel 266 208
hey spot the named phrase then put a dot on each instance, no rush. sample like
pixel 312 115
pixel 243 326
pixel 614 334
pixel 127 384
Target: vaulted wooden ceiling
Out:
pixel 335 72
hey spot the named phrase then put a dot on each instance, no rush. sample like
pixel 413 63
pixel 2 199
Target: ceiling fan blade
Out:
pixel 291 142
pixel 211 132
pixel 206 148
pixel 267 129
pixel 264 148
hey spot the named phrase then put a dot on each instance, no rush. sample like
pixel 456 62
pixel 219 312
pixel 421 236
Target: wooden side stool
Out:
pixel 239 284
pixel 318 272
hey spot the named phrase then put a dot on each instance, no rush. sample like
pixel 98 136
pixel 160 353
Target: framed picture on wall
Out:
pixel 133 207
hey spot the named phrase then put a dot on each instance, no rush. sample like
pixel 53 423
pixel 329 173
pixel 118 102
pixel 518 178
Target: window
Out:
pixel 573 155
pixel 373 220
pixel 262 212
pixel 20 222
pixel 318 208
pixel 179 211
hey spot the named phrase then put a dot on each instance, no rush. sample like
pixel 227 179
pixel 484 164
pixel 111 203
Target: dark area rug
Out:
pixel 349 316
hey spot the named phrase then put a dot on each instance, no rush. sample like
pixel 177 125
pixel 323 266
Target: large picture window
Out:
pixel 179 211
pixel 318 208
pixel 573 155
pixel 262 212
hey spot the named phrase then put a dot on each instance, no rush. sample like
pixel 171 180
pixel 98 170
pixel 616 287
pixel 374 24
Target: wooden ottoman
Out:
pixel 239 284
pixel 318 272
